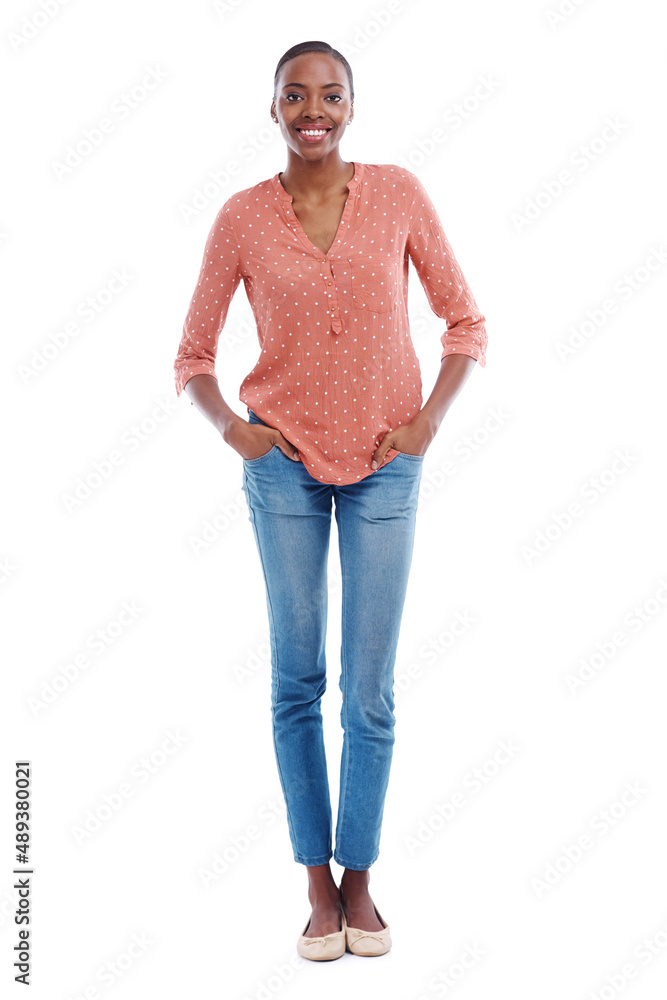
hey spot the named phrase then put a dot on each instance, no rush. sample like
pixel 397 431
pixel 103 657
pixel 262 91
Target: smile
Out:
pixel 313 134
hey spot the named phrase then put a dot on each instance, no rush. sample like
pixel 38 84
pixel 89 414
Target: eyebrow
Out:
pixel 324 85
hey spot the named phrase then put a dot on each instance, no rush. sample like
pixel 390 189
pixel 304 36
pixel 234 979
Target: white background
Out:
pixel 494 879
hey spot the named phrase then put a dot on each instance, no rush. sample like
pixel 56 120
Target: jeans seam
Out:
pixel 346 735
pixel 355 865
pixel 275 652
pixel 322 860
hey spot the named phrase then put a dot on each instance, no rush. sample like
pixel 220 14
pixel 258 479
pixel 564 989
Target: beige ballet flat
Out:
pixel 321 949
pixel 368 943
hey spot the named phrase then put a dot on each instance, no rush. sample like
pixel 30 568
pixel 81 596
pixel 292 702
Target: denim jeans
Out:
pixel 290 512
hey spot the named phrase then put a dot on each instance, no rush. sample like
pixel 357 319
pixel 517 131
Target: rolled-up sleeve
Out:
pixel 219 276
pixel 448 292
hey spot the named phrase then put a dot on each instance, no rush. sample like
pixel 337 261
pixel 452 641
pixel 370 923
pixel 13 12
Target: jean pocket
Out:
pixel 261 458
pixel 414 458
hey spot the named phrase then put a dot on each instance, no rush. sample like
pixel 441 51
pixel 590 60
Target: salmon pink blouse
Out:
pixel 337 367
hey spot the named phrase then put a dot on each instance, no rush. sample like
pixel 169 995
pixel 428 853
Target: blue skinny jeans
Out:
pixel 290 512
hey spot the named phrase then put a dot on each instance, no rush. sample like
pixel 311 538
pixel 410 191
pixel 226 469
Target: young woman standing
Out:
pixel 335 419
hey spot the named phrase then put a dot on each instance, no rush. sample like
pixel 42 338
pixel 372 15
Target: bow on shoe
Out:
pixel 317 940
pixel 376 935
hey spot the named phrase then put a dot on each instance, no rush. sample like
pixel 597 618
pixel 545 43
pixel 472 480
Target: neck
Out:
pixel 315 179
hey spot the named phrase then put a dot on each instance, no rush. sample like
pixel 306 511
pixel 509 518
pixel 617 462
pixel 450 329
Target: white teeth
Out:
pixel 309 131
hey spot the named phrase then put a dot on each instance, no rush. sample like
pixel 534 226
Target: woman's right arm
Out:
pixel 194 367
pixel 205 394
pixel 243 436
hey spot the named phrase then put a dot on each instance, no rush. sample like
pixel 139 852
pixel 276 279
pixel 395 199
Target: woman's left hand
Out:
pixel 412 439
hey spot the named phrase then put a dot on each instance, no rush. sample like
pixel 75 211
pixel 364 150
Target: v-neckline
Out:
pixel 287 199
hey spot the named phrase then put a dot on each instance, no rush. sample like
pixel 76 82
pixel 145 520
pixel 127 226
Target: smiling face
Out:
pixel 312 104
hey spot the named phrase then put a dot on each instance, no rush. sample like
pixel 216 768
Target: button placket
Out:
pixel 326 261
pixel 331 291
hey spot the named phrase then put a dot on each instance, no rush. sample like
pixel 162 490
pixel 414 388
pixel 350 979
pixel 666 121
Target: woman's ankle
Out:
pixel 355 881
pixel 322 890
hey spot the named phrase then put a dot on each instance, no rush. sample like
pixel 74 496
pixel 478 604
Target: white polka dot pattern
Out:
pixel 337 367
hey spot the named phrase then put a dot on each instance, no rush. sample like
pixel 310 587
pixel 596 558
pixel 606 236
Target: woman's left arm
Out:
pixel 450 297
pixel 415 437
pixel 455 369
pixel 449 294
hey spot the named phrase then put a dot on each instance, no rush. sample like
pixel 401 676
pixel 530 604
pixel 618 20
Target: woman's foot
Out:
pixel 324 898
pixel 359 908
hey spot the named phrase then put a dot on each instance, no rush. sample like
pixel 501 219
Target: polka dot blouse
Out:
pixel 337 367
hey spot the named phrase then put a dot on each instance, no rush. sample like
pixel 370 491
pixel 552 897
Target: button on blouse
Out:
pixel 337 367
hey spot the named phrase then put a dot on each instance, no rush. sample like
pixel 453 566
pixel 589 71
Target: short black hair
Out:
pixel 301 48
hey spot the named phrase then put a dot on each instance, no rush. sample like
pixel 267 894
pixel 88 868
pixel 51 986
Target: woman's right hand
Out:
pixel 254 440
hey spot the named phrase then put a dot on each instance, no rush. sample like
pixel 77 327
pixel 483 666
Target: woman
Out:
pixel 335 416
